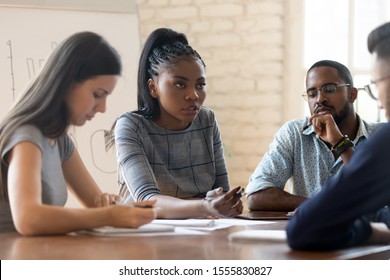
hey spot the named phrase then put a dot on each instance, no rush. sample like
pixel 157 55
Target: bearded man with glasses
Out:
pixel 339 216
pixel 310 151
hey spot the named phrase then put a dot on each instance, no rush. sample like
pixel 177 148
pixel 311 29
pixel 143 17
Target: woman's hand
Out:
pixel 214 193
pixel 133 216
pixel 107 199
pixel 227 204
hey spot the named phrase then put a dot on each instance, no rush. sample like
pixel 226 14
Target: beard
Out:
pixel 342 115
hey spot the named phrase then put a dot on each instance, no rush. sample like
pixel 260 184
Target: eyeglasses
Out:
pixel 326 89
pixel 372 88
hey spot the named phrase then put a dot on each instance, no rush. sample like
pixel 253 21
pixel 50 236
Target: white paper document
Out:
pixel 161 227
pixel 241 222
pixel 115 231
pixel 207 224
pixel 259 235
pixel 185 222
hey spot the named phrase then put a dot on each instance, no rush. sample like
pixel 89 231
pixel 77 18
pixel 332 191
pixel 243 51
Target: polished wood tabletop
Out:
pixel 214 245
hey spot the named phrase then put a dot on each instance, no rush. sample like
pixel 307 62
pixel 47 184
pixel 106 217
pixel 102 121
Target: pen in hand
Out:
pixel 306 126
pixel 309 124
pixel 241 192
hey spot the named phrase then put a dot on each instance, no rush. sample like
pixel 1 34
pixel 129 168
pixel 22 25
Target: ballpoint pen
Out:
pixel 309 124
pixel 306 126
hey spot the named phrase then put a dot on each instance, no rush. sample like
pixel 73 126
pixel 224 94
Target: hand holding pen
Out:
pixel 325 126
pixel 224 204
pixel 123 214
pixel 310 119
pixel 132 215
pixel 106 199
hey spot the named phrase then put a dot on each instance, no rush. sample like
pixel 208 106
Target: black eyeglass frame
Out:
pixel 368 87
pixel 306 96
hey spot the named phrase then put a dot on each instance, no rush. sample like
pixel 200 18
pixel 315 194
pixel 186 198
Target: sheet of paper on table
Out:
pixel 259 235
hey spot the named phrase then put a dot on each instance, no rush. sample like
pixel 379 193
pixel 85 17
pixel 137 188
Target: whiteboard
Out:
pixel 30 32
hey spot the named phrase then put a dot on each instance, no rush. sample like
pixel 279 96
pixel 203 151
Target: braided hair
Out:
pixel 163 48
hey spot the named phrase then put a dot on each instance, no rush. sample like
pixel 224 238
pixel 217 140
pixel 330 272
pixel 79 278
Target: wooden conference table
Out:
pixel 214 245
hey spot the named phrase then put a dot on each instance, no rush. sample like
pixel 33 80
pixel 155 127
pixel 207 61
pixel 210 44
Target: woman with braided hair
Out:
pixel 170 149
